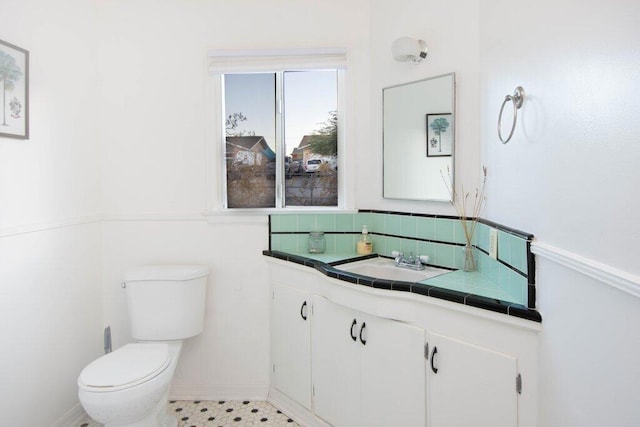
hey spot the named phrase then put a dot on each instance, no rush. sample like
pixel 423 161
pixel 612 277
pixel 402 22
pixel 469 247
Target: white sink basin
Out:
pixel 382 268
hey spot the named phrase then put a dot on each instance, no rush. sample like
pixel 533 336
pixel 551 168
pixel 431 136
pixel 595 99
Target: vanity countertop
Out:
pixel 468 288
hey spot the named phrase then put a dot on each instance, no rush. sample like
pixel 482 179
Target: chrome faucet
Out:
pixel 412 262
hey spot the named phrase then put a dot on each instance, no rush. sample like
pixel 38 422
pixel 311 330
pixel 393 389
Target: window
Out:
pixel 281 143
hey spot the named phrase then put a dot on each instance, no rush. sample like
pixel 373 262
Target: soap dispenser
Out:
pixel 365 245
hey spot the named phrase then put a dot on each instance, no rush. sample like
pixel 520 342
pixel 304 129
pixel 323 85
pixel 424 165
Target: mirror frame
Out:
pixel 453 144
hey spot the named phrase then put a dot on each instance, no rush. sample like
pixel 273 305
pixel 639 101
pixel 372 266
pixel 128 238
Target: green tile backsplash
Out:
pixel 307 223
pixel 444 230
pixel 408 226
pixel 426 228
pixel 393 225
pixel 481 237
pixel 344 222
pixel 440 237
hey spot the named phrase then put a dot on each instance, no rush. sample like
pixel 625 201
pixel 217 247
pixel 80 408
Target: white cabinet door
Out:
pixel 367 371
pixel 336 363
pixel 473 386
pixel 393 374
pixel 292 343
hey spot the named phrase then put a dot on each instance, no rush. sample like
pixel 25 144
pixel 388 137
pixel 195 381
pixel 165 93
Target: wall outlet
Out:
pixel 493 243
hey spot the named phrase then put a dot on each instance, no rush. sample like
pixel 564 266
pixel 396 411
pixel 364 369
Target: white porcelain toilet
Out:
pixel 130 386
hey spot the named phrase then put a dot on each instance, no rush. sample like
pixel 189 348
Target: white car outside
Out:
pixel 312 165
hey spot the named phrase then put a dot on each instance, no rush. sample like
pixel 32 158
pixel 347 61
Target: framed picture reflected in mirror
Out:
pixel 439 134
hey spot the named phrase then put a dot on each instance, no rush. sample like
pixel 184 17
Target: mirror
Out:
pixel 418 138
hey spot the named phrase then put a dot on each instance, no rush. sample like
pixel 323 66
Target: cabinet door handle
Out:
pixel 353 337
pixel 433 357
pixel 304 304
pixel 364 325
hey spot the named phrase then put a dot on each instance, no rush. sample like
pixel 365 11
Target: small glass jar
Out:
pixel 317 242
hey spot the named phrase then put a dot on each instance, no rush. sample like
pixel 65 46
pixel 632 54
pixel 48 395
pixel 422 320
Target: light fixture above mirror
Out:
pixel 407 49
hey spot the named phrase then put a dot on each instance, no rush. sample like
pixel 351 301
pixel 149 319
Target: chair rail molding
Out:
pixel 619 279
pixel 13 230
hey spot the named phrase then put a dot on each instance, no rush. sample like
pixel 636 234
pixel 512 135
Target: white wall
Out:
pixel 230 358
pixel 570 173
pixel 53 175
pixel 569 176
pixel 51 317
pixel 153 122
pixel 589 349
pixel 50 237
pixel 133 147
pixel 154 88
pixel 450 31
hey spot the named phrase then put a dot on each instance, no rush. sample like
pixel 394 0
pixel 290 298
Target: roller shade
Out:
pixel 233 61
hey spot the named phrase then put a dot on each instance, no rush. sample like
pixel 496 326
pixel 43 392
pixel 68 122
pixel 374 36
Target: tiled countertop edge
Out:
pixel 485 303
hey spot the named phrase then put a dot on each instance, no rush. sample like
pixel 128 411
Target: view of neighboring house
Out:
pixel 254 151
pixel 303 152
pixel 248 150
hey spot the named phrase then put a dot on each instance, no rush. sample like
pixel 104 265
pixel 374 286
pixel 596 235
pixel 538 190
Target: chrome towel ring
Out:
pixel 517 98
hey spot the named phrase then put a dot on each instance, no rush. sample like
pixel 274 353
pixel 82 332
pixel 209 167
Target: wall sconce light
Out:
pixel 407 49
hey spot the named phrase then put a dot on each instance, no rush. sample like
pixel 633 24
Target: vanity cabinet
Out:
pixel 367 370
pixel 349 355
pixel 468 385
pixel 291 342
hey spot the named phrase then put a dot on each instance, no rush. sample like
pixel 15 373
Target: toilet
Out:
pixel 130 386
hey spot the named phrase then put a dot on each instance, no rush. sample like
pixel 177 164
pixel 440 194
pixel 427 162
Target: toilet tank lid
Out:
pixel 166 272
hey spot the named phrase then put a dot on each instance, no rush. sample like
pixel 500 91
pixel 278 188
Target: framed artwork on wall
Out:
pixel 439 134
pixel 14 87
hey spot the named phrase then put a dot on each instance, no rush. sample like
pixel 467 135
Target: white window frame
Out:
pixel 222 62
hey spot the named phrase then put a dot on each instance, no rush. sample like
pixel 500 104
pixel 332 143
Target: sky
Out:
pixel 309 97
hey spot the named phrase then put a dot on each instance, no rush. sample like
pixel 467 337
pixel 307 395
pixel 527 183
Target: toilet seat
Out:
pixel 130 365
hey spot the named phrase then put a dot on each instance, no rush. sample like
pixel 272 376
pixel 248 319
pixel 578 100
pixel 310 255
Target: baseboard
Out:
pixel 297 412
pixel 220 392
pixel 73 417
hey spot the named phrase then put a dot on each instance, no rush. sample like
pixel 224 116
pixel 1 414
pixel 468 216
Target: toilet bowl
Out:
pixel 130 386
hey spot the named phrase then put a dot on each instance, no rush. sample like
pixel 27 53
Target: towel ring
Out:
pixel 517 98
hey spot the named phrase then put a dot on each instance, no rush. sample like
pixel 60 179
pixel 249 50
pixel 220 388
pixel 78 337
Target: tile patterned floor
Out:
pixel 207 413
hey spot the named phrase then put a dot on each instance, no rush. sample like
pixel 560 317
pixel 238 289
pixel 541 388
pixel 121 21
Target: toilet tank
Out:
pixel 166 302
